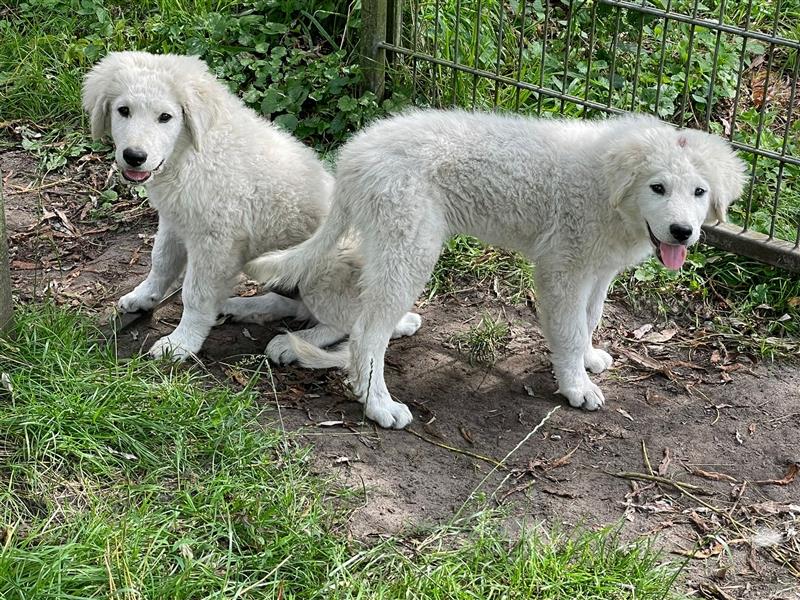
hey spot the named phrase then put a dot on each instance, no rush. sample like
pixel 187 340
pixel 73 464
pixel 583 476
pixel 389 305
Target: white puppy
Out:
pixel 581 199
pixel 227 184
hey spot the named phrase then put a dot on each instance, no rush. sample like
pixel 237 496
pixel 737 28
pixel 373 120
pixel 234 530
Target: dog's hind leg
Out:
pixel 563 298
pixel 596 359
pixel 166 263
pixel 394 274
pixel 263 309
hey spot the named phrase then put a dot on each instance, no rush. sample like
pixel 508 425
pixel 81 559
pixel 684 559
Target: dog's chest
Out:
pixel 179 206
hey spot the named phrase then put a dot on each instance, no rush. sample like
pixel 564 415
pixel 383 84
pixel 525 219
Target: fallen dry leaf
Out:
pixel 791 473
pixel 466 434
pixel 712 550
pixel 237 376
pixel 716 476
pixel 663 466
pixel 660 337
pixel 23 265
pixel 713 592
pixel 625 414
pixel 770 507
pixel 639 333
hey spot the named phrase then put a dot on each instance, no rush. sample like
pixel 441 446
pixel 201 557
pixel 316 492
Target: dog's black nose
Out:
pixel 134 156
pixel 680 232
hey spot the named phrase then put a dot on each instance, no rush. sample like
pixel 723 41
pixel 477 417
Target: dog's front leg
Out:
pixel 208 281
pixel 597 360
pixel 166 263
pixel 563 297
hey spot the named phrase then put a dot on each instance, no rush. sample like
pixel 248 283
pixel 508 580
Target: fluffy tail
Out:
pixel 310 356
pixel 285 269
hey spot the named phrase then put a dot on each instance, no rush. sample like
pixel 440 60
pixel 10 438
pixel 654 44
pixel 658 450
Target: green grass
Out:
pixel 466 261
pixel 120 479
pixel 484 341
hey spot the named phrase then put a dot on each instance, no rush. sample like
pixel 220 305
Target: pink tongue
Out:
pixel 137 175
pixel 672 255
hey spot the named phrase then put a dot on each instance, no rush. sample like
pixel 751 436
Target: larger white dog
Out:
pixel 581 199
pixel 227 184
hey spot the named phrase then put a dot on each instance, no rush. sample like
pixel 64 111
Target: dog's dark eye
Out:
pixel 124 111
pixel 699 192
pixel 164 117
pixel 658 188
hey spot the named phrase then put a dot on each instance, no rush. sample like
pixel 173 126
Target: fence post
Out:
pixel 374 15
pixel 6 308
pixel 394 30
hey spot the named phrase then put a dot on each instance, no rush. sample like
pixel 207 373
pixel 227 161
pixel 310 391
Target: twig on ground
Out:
pixel 680 486
pixel 497 464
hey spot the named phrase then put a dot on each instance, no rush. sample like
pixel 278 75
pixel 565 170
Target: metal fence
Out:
pixel 722 66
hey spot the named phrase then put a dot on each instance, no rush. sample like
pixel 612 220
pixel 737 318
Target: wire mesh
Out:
pixel 726 67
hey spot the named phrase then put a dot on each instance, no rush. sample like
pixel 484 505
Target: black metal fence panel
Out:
pixel 722 66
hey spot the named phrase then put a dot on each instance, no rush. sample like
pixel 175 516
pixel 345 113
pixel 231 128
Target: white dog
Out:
pixel 227 184
pixel 581 199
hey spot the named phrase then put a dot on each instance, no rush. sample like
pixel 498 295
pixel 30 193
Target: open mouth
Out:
pixel 139 176
pixel 671 256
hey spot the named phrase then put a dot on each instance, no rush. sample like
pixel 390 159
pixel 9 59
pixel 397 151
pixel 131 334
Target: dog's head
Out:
pixel 666 183
pixel 152 106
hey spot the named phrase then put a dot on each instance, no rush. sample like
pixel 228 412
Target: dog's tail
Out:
pixel 310 356
pixel 286 269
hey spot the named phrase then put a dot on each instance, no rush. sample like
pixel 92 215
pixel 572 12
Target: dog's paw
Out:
pixel 170 347
pixel 587 395
pixel 279 350
pixel 137 300
pixel 408 325
pixel 388 414
pixel 597 360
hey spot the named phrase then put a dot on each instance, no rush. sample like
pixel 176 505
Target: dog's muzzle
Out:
pixel 671 256
pixel 136 176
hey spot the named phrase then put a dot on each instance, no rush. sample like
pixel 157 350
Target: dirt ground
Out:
pixel 696 447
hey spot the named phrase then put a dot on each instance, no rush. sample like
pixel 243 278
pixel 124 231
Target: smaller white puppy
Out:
pixel 227 184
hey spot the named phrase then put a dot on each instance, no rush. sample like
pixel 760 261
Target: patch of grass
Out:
pixel 122 479
pixel 466 261
pixel 483 341
pixel 756 304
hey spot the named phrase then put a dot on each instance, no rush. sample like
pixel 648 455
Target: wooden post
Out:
pixel 6 308
pixel 394 33
pixel 373 31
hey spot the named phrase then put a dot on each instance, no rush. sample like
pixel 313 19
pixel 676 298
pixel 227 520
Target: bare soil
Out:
pixel 697 446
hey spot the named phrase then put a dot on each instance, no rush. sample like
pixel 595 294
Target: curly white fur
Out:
pixel 583 200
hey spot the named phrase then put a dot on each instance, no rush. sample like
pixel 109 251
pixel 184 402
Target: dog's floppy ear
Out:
pixel 621 166
pixel 721 167
pixel 98 91
pixel 202 97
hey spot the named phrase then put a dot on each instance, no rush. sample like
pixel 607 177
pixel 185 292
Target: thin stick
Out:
pixel 501 464
pixel 658 479
pixel 647 459
pixel 491 461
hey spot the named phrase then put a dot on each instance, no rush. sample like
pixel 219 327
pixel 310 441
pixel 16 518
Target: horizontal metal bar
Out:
pixel 754 245
pixel 713 25
pixel 501 78
pixel 791 160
